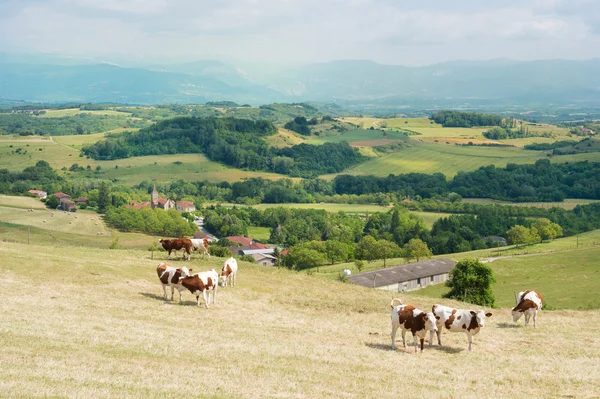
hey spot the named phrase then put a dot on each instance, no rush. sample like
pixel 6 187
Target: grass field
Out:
pixel 362 137
pixel 568 203
pixel 285 138
pixel 565 279
pixel 89 322
pixel 348 208
pixel 21 202
pixel 259 233
pixel 59 113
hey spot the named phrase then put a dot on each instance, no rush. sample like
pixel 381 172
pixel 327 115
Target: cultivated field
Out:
pixel 360 137
pixel 568 203
pixel 87 322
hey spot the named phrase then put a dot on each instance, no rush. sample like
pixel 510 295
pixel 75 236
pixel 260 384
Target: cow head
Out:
pixel 185 272
pixel 430 323
pixel 516 314
pixel 163 243
pixel 480 316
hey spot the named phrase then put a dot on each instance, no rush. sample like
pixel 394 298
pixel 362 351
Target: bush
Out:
pixel 114 244
pixel 219 251
pixel 248 258
pixel 471 281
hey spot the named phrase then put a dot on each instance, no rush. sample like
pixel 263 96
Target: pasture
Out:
pixel 88 322
pixel 21 202
pixel 568 203
pixel 60 113
pixel 566 280
pixel 361 137
pixel 348 208
pixel 83 223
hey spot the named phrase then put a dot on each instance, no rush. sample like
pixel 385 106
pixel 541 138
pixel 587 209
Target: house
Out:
pixel 265 259
pixel 157 202
pixel 202 235
pixel 67 205
pixel 138 205
pixel 185 206
pixel 412 276
pixel 254 248
pixel 60 196
pixel 81 200
pixel 244 241
pixel 39 193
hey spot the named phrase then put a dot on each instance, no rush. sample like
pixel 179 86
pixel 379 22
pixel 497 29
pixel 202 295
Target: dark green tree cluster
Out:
pixel 150 221
pixel 471 281
pixel 301 125
pixel 40 177
pixel 466 119
pixel 234 142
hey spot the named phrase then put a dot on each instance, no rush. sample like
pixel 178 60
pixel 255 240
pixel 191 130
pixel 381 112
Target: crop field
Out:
pixel 285 138
pixel 76 223
pixel 568 203
pixel 565 279
pixel 88 322
pixel 359 136
pixel 446 159
pixel 59 113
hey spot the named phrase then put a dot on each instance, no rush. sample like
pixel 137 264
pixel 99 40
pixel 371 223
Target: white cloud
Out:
pixel 388 31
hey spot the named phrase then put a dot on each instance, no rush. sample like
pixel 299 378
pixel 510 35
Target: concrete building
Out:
pixel 403 278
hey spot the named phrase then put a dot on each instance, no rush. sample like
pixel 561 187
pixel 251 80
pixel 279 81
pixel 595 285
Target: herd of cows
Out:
pixel 409 318
pixel 404 317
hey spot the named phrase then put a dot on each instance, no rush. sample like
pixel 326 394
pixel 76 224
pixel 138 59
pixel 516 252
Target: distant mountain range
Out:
pixel 496 82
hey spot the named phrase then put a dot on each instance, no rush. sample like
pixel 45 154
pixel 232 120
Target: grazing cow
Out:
pixel 409 318
pixel 201 283
pixel 200 243
pixel 528 303
pixel 170 277
pixel 458 320
pixel 176 245
pixel 229 272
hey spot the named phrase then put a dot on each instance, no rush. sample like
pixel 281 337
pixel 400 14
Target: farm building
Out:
pixel 185 206
pixel 202 235
pixel 61 196
pixel 265 259
pixel 39 193
pixel 67 205
pixel 410 277
pixel 81 200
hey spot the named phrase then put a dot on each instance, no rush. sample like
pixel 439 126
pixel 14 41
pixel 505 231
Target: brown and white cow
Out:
pixel 170 276
pixel 458 320
pixel 409 318
pixel 176 245
pixel 528 303
pixel 201 283
pixel 229 272
pixel 199 244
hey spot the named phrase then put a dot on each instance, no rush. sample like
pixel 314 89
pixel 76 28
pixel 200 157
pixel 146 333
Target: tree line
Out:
pixel 466 119
pixel 234 142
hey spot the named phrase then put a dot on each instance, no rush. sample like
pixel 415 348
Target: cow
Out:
pixel 458 320
pixel 229 272
pixel 409 318
pixel 170 276
pixel 176 245
pixel 528 303
pixel 200 283
pixel 200 243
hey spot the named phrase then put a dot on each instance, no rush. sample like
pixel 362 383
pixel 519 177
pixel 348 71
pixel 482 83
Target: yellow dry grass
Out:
pixel 81 322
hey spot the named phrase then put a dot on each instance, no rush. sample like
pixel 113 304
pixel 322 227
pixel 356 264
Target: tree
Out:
pixel 367 248
pixel 336 250
pixel 546 229
pixel 103 197
pixel 386 249
pixel 518 235
pixel 53 202
pixel 416 248
pixel 300 258
pixel 471 281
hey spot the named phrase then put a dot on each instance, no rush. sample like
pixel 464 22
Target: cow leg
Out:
pixel 470 337
pixel 198 300
pixel 422 342
pixel 215 293
pixel 169 257
pixel 394 329
pixel 430 338
pixel 527 318
pixel 534 316
pixel 439 336
pixel 180 297
pixel 404 337
pixel 204 296
pixel 172 292
pixel 164 291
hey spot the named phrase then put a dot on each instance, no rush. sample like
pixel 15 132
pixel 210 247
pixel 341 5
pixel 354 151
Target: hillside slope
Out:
pixel 88 322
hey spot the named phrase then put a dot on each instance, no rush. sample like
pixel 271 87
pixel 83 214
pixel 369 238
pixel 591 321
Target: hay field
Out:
pixel 21 202
pixel 60 113
pixel 68 222
pixel 568 203
pixel 285 138
pixel 92 323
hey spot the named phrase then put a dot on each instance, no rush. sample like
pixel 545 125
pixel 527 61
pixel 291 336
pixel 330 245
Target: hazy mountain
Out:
pixel 496 82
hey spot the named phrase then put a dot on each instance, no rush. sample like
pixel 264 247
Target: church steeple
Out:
pixel 154 197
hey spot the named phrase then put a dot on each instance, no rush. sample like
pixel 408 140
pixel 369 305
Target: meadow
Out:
pixel 60 113
pixel 568 203
pixel 87 322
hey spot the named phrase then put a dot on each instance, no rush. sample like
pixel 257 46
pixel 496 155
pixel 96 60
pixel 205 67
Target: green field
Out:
pixel 568 203
pixel 88 322
pixel 348 208
pixel 21 202
pixel 567 280
pixel 362 137
pixel 259 233
pixel 59 113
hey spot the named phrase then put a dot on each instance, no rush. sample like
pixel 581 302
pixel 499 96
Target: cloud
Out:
pixel 294 31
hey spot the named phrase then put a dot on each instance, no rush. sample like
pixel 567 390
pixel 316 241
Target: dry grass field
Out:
pixel 81 322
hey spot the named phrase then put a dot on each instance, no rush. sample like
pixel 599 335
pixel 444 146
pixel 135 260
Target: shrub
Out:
pixel 471 281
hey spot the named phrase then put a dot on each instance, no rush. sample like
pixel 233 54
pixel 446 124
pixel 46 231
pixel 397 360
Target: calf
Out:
pixel 409 318
pixel 170 276
pixel 458 320
pixel 528 303
pixel 200 244
pixel 200 283
pixel 176 245
pixel 229 272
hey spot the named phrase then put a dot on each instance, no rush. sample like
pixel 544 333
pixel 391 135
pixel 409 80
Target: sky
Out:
pixel 302 31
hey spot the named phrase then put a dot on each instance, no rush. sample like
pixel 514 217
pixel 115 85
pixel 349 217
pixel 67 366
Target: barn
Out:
pixel 410 277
